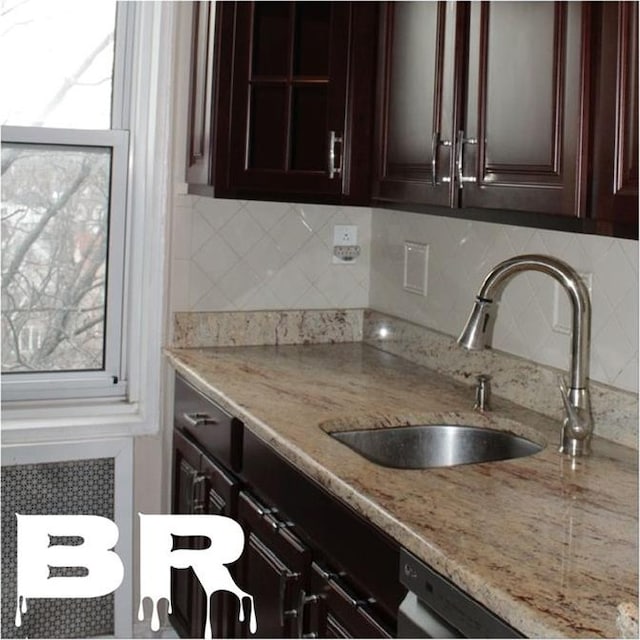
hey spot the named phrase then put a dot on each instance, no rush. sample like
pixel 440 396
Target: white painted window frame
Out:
pixel 149 84
pixel 111 381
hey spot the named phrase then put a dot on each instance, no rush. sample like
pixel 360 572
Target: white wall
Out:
pixel 462 252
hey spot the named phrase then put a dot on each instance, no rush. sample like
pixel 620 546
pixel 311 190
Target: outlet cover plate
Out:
pixel 345 235
pixel 416 267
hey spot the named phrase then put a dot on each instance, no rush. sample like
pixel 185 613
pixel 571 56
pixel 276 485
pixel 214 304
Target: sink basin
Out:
pixel 442 445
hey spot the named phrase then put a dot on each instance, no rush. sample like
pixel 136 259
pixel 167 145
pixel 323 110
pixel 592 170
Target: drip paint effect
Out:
pixel 36 555
pixel 21 609
pixel 157 559
pixel 105 571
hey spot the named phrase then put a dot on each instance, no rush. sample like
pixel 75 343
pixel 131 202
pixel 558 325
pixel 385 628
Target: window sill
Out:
pixel 39 422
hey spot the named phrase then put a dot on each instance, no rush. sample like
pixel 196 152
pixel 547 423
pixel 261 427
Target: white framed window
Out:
pixel 65 164
pixel 142 103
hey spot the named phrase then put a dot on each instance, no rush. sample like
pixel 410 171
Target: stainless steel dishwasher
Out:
pixel 436 608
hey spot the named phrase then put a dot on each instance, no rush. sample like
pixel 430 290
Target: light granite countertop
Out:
pixel 549 546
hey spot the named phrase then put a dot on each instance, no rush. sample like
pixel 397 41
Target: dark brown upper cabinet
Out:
pixel 200 123
pixel 293 104
pixel 614 187
pixel 514 112
pixel 415 103
pixel 519 146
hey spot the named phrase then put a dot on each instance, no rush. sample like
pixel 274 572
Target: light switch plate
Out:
pixel 416 267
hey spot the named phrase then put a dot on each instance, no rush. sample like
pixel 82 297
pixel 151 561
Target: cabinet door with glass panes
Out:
pixel 285 125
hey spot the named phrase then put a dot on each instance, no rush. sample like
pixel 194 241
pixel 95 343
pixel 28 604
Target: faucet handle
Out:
pixel 568 407
pixel 578 419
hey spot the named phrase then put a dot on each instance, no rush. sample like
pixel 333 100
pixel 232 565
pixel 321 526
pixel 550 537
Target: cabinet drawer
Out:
pixel 338 610
pixel 301 499
pixel 219 434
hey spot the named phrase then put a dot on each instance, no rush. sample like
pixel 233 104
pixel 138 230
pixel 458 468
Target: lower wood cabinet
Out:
pixel 274 568
pixel 313 581
pixel 200 486
pixel 184 596
pixel 337 611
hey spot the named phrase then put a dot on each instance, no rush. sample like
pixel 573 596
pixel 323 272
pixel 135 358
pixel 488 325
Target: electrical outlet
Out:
pixel 345 244
pixel 345 235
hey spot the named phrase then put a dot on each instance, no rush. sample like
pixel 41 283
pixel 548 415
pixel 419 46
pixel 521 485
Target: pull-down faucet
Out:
pixel 577 426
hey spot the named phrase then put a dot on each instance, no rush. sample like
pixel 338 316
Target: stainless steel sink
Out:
pixel 442 445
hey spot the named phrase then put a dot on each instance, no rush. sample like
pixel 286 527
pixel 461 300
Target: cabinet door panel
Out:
pixel 415 101
pixel 614 189
pixel 199 150
pixel 627 134
pixel 267 137
pixel 309 142
pixel 271 583
pixel 523 122
pixel 521 128
pixel 187 484
pixel 271 35
pixel 273 567
pixel 313 38
pixel 289 93
pixel 221 498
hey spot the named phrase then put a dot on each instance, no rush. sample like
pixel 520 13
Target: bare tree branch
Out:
pixel 82 284
pixel 85 327
pixel 8 276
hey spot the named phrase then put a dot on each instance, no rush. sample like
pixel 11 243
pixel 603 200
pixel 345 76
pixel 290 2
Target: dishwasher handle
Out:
pixel 416 620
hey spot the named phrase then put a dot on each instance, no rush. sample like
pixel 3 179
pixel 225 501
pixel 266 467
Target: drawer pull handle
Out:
pixel 276 525
pixel 198 493
pixel 286 614
pixel 198 419
pixel 302 602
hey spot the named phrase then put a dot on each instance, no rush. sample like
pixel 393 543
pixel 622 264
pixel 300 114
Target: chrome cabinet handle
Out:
pixel 198 419
pixel 459 161
pixel 435 143
pixel 197 497
pixel 289 613
pixel 303 601
pixel 334 139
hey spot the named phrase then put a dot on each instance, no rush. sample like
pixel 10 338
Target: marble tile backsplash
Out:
pixel 461 252
pixel 232 255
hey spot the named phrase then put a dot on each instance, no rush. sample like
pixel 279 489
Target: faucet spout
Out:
pixel 578 424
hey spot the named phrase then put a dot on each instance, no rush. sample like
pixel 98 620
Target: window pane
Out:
pixel 55 204
pixel 57 63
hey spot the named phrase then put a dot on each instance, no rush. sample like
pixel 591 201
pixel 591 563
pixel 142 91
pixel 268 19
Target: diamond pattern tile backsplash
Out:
pixel 231 255
pixel 461 252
